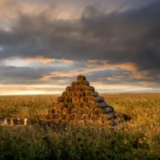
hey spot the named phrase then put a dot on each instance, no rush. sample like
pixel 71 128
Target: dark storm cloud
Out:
pixel 119 37
pixel 21 75
pixel 131 36
pixel 32 74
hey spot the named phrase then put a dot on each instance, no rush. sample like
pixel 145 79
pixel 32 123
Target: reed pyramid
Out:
pixel 81 105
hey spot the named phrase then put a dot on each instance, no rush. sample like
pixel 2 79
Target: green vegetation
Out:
pixel 137 139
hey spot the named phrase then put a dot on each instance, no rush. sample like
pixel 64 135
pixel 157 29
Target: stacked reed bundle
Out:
pixel 81 105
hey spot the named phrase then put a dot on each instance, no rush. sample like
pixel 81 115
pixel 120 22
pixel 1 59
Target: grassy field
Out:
pixel 138 139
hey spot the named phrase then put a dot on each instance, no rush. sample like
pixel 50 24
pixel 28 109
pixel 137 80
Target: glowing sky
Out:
pixel 46 44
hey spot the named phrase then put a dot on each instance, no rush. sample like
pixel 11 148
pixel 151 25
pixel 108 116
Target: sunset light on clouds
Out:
pixel 46 44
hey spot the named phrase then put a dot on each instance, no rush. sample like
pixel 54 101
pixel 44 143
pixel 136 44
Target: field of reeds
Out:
pixel 134 140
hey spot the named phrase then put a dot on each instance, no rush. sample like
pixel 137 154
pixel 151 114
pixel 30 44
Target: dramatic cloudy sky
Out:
pixel 45 44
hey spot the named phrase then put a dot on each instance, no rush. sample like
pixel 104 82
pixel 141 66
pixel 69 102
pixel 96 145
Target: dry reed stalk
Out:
pixel 81 78
pixel 81 123
pixel 65 111
pixel 81 111
pixel 45 117
pixel 62 105
pixel 80 93
pixel 93 106
pixel 109 123
pixel 91 100
pixel 92 88
pixel 56 105
pixel 95 94
pixel 77 88
pixel 75 99
pixel 99 123
pixel 69 117
pixel 60 99
pixel 74 94
pixel 108 116
pixel 77 116
pixel 58 111
pixel 102 104
pixel 74 83
pixel 72 122
pixel 79 105
pixel 98 111
pixel 67 100
pixel 77 94
pixel 88 93
pixel 64 94
pixel 84 83
pixel 69 93
pixel 74 110
pixel 84 88
pixel 104 110
pixel 62 116
pixel 69 89
pixel 89 111
pixel 64 122
pixel 108 109
pixel 83 99
pixel 90 123
pixel 86 105
pixel 53 116
pixel 94 117
pixel 70 105
pixel 57 121
pixel 99 99
pixel 53 104
pixel 85 117
pixel 51 110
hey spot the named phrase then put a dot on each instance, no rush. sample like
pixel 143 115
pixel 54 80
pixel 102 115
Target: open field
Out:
pixel 138 139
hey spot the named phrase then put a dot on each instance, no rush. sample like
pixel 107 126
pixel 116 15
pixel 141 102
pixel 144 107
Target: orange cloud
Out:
pixel 47 60
pixel 93 65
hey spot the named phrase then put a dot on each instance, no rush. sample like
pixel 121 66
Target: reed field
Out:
pixel 137 139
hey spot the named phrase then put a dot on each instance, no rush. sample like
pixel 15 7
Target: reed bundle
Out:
pixel 60 99
pixel 72 122
pixel 58 111
pixel 69 117
pixel 75 83
pixel 85 117
pixel 90 123
pixel 81 123
pixel 64 94
pixel 81 78
pixel 94 117
pixel 75 99
pixel 84 83
pixel 99 123
pixel 83 99
pixel 65 111
pixel 74 110
pixel 69 88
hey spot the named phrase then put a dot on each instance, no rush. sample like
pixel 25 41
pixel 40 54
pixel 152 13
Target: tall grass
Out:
pixel 137 139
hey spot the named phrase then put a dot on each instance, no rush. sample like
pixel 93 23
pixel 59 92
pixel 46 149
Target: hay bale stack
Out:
pixel 81 105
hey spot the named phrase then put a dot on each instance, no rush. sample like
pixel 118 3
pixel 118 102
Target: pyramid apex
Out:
pixel 81 78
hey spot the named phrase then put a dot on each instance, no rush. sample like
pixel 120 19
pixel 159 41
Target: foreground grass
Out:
pixel 138 139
